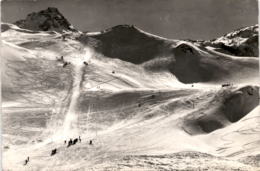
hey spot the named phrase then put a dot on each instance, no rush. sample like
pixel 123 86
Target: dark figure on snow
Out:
pixel 65 64
pixel 53 152
pixel 226 85
pixel 113 72
pixel 65 142
pixel 75 141
pixel 70 143
pixel 79 139
pixel 26 161
pixel 85 63
pixel 90 142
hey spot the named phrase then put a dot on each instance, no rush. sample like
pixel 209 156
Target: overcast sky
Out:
pixel 177 19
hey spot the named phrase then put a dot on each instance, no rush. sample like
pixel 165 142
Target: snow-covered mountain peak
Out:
pixel 241 42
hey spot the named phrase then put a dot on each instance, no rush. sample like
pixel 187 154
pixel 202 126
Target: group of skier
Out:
pixel 70 142
pixel 65 63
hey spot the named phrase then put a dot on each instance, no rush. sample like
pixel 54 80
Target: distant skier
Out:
pixel 90 142
pixel 26 161
pixel 69 143
pixel 226 85
pixel 65 142
pixel 65 64
pixel 75 141
pixel 113 72
pixel 85 63
pixel 53 152
pixel 79 139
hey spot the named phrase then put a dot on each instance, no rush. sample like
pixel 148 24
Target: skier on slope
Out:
pixel 65 64
pixel 69 143
pixel 75 141
pixel 26 161
pixel 53 152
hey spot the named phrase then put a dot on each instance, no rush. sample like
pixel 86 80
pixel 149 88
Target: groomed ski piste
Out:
pixel 185 108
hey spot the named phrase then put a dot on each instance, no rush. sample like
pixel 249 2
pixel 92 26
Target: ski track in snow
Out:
pixel 144 129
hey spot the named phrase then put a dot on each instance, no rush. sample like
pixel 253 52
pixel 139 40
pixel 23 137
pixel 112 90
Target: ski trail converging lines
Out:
pixel 70 125
pixel 70 128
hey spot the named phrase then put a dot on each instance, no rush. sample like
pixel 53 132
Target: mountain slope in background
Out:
pixel 190 62
pixel 128 43
pixel 241 42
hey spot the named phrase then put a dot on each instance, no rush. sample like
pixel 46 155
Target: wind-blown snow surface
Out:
pixel 163 111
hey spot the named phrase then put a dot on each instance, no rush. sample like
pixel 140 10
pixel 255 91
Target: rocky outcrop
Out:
pixel 46 20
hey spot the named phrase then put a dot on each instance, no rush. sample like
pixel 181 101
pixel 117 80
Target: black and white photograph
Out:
pixel 130 85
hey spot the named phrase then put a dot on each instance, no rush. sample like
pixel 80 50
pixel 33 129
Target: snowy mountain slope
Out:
pixel 241 42
pixel 188 61
pixel 128 43
pixel 147 102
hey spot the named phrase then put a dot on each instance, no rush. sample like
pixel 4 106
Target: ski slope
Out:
pixel 139 116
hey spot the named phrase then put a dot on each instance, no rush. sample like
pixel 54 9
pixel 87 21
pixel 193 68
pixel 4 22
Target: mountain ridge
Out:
pixel 240 42
pixel 46 20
